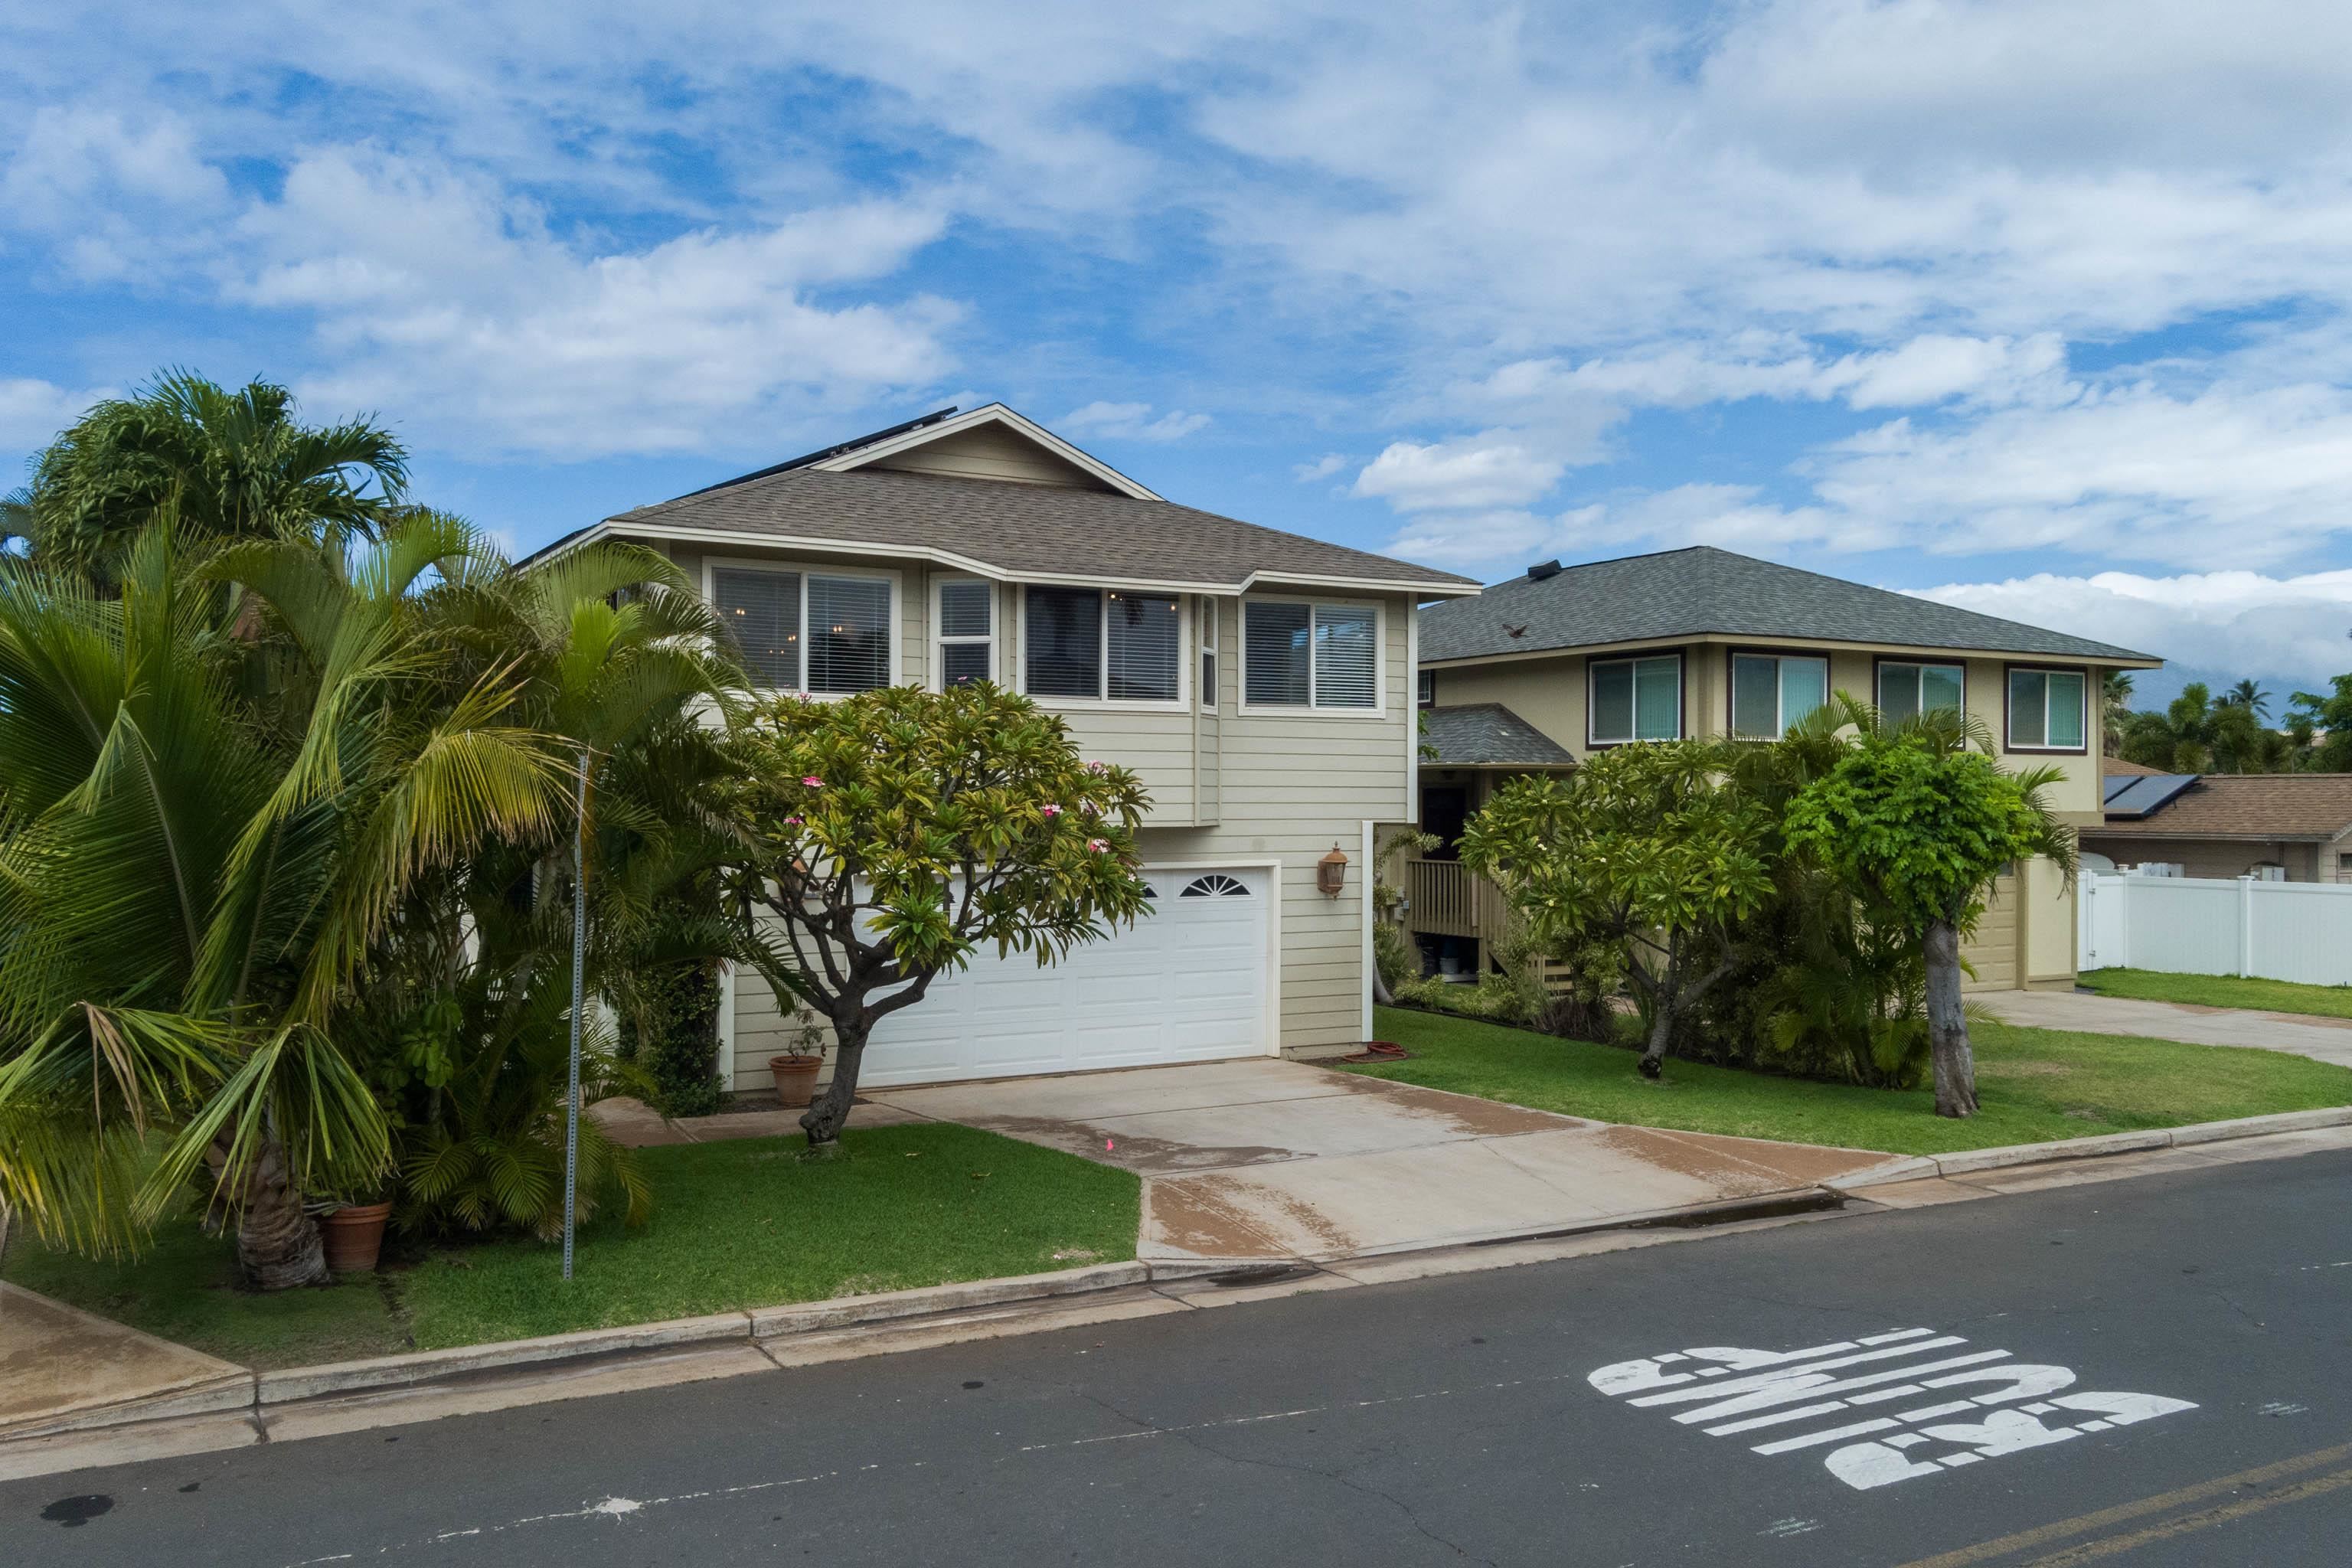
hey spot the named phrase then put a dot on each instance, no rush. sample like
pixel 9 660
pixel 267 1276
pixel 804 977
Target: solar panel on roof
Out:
pixel 2140 796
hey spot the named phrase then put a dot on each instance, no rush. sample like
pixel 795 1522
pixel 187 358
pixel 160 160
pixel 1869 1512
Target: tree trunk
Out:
pixel 830 1111
pixel 278 1245
pixel 1662 1033
pixel 1948 1025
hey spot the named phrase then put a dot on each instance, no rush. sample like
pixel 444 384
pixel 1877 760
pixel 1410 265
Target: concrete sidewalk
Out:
pixel 58 1363
pixel 1263 1159
pixel 2321 1039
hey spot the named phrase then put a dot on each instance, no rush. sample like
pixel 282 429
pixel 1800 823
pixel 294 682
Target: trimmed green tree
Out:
pixel 1650 848
pixel 1922 825
pixel 887 836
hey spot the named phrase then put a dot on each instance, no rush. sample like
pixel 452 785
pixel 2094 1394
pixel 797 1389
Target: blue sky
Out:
pixel 2038 308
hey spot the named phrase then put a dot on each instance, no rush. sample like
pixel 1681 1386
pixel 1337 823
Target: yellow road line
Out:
pixel 2123 1513
pixel 2092 1550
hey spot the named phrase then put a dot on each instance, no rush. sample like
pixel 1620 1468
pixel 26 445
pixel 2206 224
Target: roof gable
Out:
pixel 1704 592
pixel 989 443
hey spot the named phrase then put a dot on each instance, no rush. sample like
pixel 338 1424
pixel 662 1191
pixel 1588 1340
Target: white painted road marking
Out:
pixel 2002 1424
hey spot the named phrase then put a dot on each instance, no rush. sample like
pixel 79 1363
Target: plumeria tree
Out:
pixel 1921 824
pixel 1654 849
pixel 887 836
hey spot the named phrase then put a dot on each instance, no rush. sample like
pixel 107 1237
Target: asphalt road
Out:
pixel 1439 1422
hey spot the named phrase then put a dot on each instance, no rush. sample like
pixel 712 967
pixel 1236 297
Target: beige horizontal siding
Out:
pixel 990 452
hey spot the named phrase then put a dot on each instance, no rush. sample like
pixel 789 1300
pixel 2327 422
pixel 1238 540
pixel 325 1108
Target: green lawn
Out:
pixel 743 1223
pixel 2035 1084
pixel 2220 991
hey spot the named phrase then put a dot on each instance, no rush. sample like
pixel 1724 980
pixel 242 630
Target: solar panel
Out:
pixel 2132 796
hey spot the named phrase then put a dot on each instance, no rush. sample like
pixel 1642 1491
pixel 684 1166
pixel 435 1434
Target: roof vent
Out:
pixel 1542 570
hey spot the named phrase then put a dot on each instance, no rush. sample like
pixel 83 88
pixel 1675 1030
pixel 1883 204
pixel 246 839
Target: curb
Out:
pixel 255 1392
pixel 1919 1167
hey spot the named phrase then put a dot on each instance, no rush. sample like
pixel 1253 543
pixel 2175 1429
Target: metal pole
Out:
pixel 579 965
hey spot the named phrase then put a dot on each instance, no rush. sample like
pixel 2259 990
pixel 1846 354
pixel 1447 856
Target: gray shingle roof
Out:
pixel 1487 735
pixel 1702 591
pixel 1022 529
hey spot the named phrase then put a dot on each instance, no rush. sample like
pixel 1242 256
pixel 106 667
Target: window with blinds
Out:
pixel 1204 617
pixel 1145 639
pixel 967 632
pixel 1062 636
pixel 1770 692
pixel 1907 690
pixel 849 634
pixel 1635 699
pixel 1311 656
pixel 762 611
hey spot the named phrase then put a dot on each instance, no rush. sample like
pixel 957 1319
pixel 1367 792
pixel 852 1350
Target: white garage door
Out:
pixel 1186 982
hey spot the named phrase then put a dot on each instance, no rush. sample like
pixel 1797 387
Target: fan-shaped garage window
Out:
pixel 1215 885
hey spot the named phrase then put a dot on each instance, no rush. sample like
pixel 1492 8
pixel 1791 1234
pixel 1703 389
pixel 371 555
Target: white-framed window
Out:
pixel 1102 646
pixel 1906 689
pixel 963 616
pixel 1424 688
pixel 1204 616
pixel 1324 658
pixel 1770 691
pixel 823 630
pixel 2047 710
pixel 1635 700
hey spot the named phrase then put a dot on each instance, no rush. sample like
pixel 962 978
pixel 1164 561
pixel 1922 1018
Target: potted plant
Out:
pixel 354 1234
pixel 796 1070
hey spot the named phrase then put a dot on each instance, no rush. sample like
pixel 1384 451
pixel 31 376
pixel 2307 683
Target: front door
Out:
pixel 1445 809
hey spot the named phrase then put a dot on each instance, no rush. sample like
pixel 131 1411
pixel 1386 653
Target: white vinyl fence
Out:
pixel 2191 925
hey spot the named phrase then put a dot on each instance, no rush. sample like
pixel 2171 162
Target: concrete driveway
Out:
pixel 2322 1039
pixel 1265 1159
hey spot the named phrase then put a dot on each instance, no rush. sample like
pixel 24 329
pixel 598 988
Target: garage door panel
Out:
pixel 1188 982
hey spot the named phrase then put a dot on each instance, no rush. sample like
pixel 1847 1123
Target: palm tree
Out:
pixel 2247 695
pixel 198 854
pixel 223 466
pixel 2115 702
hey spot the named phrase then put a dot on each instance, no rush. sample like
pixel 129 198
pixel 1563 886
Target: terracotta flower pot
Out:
pixel 354 1236
pixel 795 1078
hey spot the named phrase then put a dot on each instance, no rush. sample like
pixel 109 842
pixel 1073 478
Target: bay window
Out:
pixel 1115 647
pixel 1323 656
pixel 967 631
pixel 808 631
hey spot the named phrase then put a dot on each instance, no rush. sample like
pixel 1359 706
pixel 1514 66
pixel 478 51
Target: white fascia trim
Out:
pixel 1361 585
pixel 992 413
pixel 735 539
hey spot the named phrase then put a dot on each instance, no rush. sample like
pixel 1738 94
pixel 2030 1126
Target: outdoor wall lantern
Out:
pixel 1331 873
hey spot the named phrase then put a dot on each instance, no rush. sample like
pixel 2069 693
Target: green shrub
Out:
pixel 669 1031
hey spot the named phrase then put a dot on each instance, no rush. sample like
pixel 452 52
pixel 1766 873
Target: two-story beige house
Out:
pixel 1261 683
pixel 1703 642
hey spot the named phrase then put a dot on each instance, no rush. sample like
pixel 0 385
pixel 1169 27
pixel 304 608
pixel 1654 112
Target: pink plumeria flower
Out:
pixel 1099 846
pixel 793 822
pixel 813 782
pixel 1097 767
pixel 1051 810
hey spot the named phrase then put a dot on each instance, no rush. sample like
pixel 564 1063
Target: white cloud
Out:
pixel 1322 468
pixel 1132 422
pixel 1930 369
pixel 444 300
pixel 1474 540
pixel 1492 468
pixel 31 411
pixel 2210 625
pixel 117 199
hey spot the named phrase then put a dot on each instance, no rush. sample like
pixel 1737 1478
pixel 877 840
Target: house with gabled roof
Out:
pixel 1703 642
pixel 2288 828
pixel 1260 682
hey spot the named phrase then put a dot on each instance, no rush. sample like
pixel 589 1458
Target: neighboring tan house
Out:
pixel 1259 682
pixel 1702 642
pixel 2292 827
